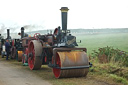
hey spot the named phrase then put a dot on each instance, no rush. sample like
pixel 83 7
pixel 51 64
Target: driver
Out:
pixel 7 47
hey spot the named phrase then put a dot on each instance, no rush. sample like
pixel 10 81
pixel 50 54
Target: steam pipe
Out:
pixel 64 11
pixel 22 32
pixel 8 33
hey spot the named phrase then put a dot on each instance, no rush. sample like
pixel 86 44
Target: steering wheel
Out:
pixel 56 31
pixel 36 36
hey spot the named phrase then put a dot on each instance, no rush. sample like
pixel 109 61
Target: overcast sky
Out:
pixel 82 13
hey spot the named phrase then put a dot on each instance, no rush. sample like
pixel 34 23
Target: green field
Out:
pixel 95 41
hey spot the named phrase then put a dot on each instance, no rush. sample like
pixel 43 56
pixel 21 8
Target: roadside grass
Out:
pixel 112 62
pixel 112 71
pixel 119 79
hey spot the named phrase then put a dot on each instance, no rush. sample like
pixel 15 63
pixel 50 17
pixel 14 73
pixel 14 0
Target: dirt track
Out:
pixel 12 75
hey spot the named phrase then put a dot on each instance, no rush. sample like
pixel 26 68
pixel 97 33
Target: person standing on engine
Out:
pixel 7 48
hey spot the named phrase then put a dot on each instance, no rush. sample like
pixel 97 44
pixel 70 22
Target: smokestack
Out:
pixel 64 11
pixel 8 33
pixel 22 32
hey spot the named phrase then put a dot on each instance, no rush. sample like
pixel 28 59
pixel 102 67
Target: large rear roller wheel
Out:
pixel 35 50
pixel 71 59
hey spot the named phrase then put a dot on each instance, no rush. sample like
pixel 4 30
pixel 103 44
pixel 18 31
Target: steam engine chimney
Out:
pixel 8 33
pixel 64 11
pixel 22 32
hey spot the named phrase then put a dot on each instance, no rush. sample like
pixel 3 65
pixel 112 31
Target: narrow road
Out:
pixel 13 75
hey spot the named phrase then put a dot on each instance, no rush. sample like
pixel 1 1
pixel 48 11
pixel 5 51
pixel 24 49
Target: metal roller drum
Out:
pixel 20 53
pixel 72 61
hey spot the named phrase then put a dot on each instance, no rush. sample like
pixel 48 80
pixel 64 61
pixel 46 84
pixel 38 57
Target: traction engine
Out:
pixel 58 51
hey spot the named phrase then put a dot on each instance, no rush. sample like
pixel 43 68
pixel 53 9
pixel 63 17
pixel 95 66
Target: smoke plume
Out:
pixel 33 27
pixel 2 28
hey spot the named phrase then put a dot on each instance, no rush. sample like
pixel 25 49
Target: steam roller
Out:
pixel 59 51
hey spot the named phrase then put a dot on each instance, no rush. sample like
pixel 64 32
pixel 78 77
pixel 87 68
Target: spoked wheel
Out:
pixel 56 31
pixel 71 60
pixel 34 53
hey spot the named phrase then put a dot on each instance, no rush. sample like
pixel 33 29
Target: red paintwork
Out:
pixel 55 70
